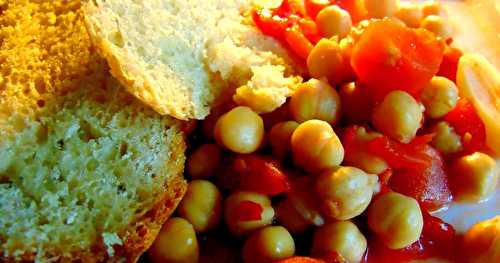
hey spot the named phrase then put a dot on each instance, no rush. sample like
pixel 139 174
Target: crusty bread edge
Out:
pixel 147 228
pixel 130 76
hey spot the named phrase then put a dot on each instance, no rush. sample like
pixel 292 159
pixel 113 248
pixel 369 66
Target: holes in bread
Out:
pixel 40 103
pixel 60 144
pixel 123 149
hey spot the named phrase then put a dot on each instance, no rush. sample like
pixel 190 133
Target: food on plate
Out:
pixel 178 56
pixel 87 172
pixel 390 124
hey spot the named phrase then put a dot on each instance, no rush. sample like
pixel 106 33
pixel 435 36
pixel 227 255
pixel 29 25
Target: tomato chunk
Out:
pixel 248 211
pixel 448 68
pixel 355 8
pixel 429 185
pixel 389 56
pixel 464 119
pixel 417 170
pixel 262 175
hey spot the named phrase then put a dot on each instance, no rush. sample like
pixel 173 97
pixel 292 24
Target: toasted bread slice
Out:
pixel 179 56
pixel 88 173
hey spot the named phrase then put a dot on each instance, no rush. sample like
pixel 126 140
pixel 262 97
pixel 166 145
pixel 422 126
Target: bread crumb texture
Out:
pixel 87 172
pixel 179 56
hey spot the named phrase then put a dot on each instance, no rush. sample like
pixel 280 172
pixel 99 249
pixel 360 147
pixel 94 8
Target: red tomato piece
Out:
pixel 261 175
pixel 314 6
pixel 389 56
pixel 269 23
pixel 298 42
pixel 309 29
pixel 428 185
pixel 291 7
pixel 355 8
pixel 399 155
pixel 248 211
pixel 464 119
pixel 448 68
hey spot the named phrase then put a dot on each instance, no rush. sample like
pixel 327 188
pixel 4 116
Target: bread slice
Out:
pixel 88 173
pixel 179 56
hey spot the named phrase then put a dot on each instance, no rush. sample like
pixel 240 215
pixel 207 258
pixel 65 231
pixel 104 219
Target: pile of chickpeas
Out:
pixel 304 137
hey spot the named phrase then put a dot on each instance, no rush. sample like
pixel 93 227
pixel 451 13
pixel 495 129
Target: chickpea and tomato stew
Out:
pixel 383 130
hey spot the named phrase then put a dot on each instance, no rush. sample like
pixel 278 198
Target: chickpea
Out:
pixel 333 21
pixel 395 219
pixel 269 244
pixel 356 103
pixel 474 177
pixel 231 209
pixel 437 25
pixel 410 14
pixel 299 210
pixel 432 8
pixel 240 130
pixel 280 136
pixel 203 162
pixel 399 116
pixel 176 243
pixel 346 192
pixel 342 237
pixel 315 99
pixel 315 146
pixel 381 8
pixel 201 205
pixel 363 159
pixel 327 60
pixel 482 241
pixel 439 97
pixel 446 140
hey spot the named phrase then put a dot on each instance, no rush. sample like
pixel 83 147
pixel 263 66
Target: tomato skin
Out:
pixel 261 175
pixel 448 67
pixel 464 120
pixel 389 56
pixel 428 185
pixel 248 211
pixel 314 6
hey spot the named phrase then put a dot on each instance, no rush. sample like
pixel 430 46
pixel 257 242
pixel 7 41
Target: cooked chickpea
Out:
pixel 381 8
pixel 269 244
pixel 327 60
pixel 474 177
pixel 315 99
pixel 315 146
pixel 482 242
pixel 201 205
pixel 432 8
pixel 362 159
pixel 333 21
pixel 356 103
pixel 439 97
pixel 240 130
pixel 399 116
pixel 437 25
pixel 410 14
pixel 176 243
pixel 203 162
pixel 280 136
pixel 342 237
pixel 446 140
pixel 395 219
pixel 232 208
pixel 299 210
pixel 345 192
